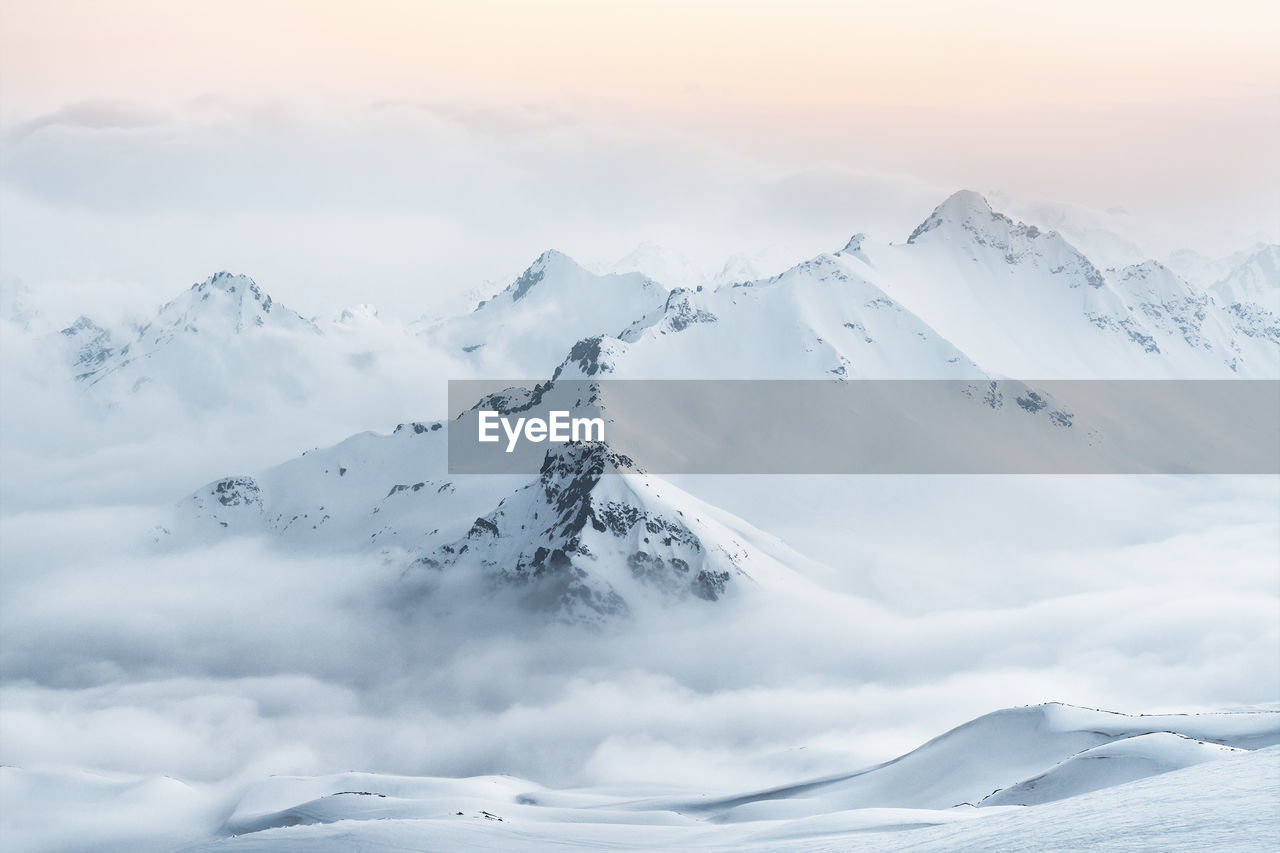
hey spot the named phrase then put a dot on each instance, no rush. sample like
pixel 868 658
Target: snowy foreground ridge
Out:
pixel 1033 778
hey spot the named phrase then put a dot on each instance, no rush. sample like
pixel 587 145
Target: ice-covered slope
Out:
pixel 525 330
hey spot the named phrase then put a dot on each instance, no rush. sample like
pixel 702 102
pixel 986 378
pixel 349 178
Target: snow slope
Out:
pixel 1225 805
pixel 1112 763
pixel 980 758
pixel 1139 786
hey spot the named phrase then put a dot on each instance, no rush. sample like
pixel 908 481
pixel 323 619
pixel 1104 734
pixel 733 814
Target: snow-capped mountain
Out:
pixel 585 545
pixel 1203 270
pixel 16 307
pixel 1256 279
pixel 1024 302
pixel 819 319
pixel 226 344
pixel 208 339
pixel 595 537
pixel 970 293
pixel 525 330
pixel 91 349
pixel 1110 238
pixel 591 537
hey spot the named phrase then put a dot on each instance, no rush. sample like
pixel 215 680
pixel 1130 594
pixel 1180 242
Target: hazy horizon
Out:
pixel 412 153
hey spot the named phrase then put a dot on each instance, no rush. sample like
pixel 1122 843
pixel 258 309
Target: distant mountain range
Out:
pixel 969 294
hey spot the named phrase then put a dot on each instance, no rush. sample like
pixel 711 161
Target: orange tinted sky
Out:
pixel 1091 101
pixel 748 56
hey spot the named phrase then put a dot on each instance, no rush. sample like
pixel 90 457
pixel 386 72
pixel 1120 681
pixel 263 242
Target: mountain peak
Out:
pixel 227 282
pixel 225 301
pixel 854 246
pixel 548 261
pixel 592 536
pixel 965 203
pixel 242 290
pixel 966 208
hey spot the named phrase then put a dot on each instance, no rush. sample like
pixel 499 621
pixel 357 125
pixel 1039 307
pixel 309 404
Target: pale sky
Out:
pixel 741 58
pixel 1170 110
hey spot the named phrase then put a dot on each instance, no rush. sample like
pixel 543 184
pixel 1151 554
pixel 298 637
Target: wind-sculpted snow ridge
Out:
pixel 1100 780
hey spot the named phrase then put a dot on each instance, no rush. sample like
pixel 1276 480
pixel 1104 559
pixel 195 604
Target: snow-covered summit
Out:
pixel 186 348
pixel 1023 301
pixel 222 303
pixel 1255 280
pixel 966 218
pixel 525 329
pixel 594 537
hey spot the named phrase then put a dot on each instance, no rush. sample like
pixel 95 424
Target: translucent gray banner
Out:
pixel 872 427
